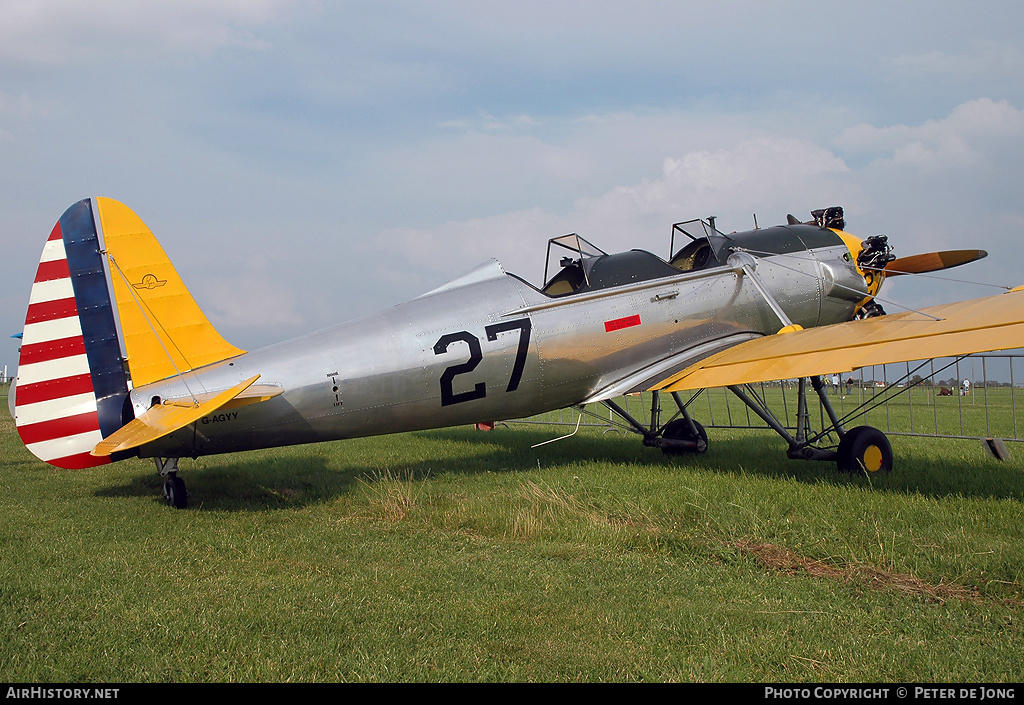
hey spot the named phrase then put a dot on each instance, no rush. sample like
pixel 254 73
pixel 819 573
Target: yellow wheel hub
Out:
pixel 872 458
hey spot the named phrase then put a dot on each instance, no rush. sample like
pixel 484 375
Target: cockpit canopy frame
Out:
pixel 699 231
pixel 579 246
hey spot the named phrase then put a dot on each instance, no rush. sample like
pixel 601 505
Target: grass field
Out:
pixel 458 555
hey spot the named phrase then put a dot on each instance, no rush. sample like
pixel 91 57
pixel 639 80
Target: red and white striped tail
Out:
pixel 55 404
pixel 57 407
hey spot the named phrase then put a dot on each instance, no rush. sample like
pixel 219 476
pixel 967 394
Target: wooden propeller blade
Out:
pixel 932 261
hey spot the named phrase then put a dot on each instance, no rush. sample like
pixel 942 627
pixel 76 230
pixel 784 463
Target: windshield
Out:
pixel 706 247
pixel 568 252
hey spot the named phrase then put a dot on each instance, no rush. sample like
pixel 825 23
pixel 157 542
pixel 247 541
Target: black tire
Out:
pixel 175 493
pixel 864 449
pixel 679 430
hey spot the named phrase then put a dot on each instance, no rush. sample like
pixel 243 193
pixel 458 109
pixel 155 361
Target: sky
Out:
pixel 305 163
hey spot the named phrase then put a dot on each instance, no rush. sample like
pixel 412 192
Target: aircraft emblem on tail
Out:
pixel 150 281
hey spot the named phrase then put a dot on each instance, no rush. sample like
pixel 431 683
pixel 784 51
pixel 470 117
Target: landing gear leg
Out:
pixel 681 435
pixel 800 447
pixel 684 429
pixel 175 493
pixel 864 449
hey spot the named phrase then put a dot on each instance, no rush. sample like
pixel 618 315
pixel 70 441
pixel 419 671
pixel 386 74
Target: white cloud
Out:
pixel 965 138
pixel 756 166
pixel 250 301
pixel 927 187
pixel 758 172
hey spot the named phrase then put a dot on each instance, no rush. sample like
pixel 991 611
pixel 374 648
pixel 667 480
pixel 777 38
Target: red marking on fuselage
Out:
pixel 620 323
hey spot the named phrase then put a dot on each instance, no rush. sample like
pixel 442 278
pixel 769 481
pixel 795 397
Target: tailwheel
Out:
pixel 680 430
pixel 174 492
pixel 864 449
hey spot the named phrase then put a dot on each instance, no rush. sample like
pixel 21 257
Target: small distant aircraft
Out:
pixel 118 361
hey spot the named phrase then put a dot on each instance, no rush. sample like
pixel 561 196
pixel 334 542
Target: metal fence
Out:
pixel 923 398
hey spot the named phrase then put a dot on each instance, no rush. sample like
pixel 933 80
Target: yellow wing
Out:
pixel 977 325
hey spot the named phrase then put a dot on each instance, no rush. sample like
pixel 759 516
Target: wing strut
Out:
pixel 743 262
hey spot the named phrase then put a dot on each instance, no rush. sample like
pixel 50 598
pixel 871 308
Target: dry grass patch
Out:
pixel 392 496
pixel 786 561
pixel 542 507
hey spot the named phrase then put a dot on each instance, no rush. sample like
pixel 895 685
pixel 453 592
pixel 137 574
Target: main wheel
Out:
pixel 175 493
pixel 679 430
pixel 864 449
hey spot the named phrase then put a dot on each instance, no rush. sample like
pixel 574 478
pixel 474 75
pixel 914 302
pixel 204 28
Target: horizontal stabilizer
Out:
pixel 253 395
pixel 166 418
pixel 949 330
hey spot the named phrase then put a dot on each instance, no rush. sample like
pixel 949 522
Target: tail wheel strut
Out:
pixel 175 493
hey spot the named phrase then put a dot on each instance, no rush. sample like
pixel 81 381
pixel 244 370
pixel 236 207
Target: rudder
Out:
pixel 71 380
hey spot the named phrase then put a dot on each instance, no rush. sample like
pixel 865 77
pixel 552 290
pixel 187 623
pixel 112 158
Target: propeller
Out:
pixel 932 261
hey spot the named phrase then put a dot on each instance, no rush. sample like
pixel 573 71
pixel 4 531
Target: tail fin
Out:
pixel 165 332
pixel 73 373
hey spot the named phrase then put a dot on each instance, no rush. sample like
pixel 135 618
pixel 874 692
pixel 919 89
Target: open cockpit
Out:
pixel 584 267
pixel 579 266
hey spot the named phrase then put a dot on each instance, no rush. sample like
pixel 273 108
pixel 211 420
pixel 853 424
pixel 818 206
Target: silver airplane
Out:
pixel 118 361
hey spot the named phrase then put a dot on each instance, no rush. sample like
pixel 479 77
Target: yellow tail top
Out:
pixel 165 332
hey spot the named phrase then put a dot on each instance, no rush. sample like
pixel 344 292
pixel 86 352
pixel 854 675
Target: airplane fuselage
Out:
pixel 490 346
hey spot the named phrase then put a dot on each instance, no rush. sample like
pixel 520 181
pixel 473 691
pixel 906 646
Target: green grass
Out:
pixel 458 555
